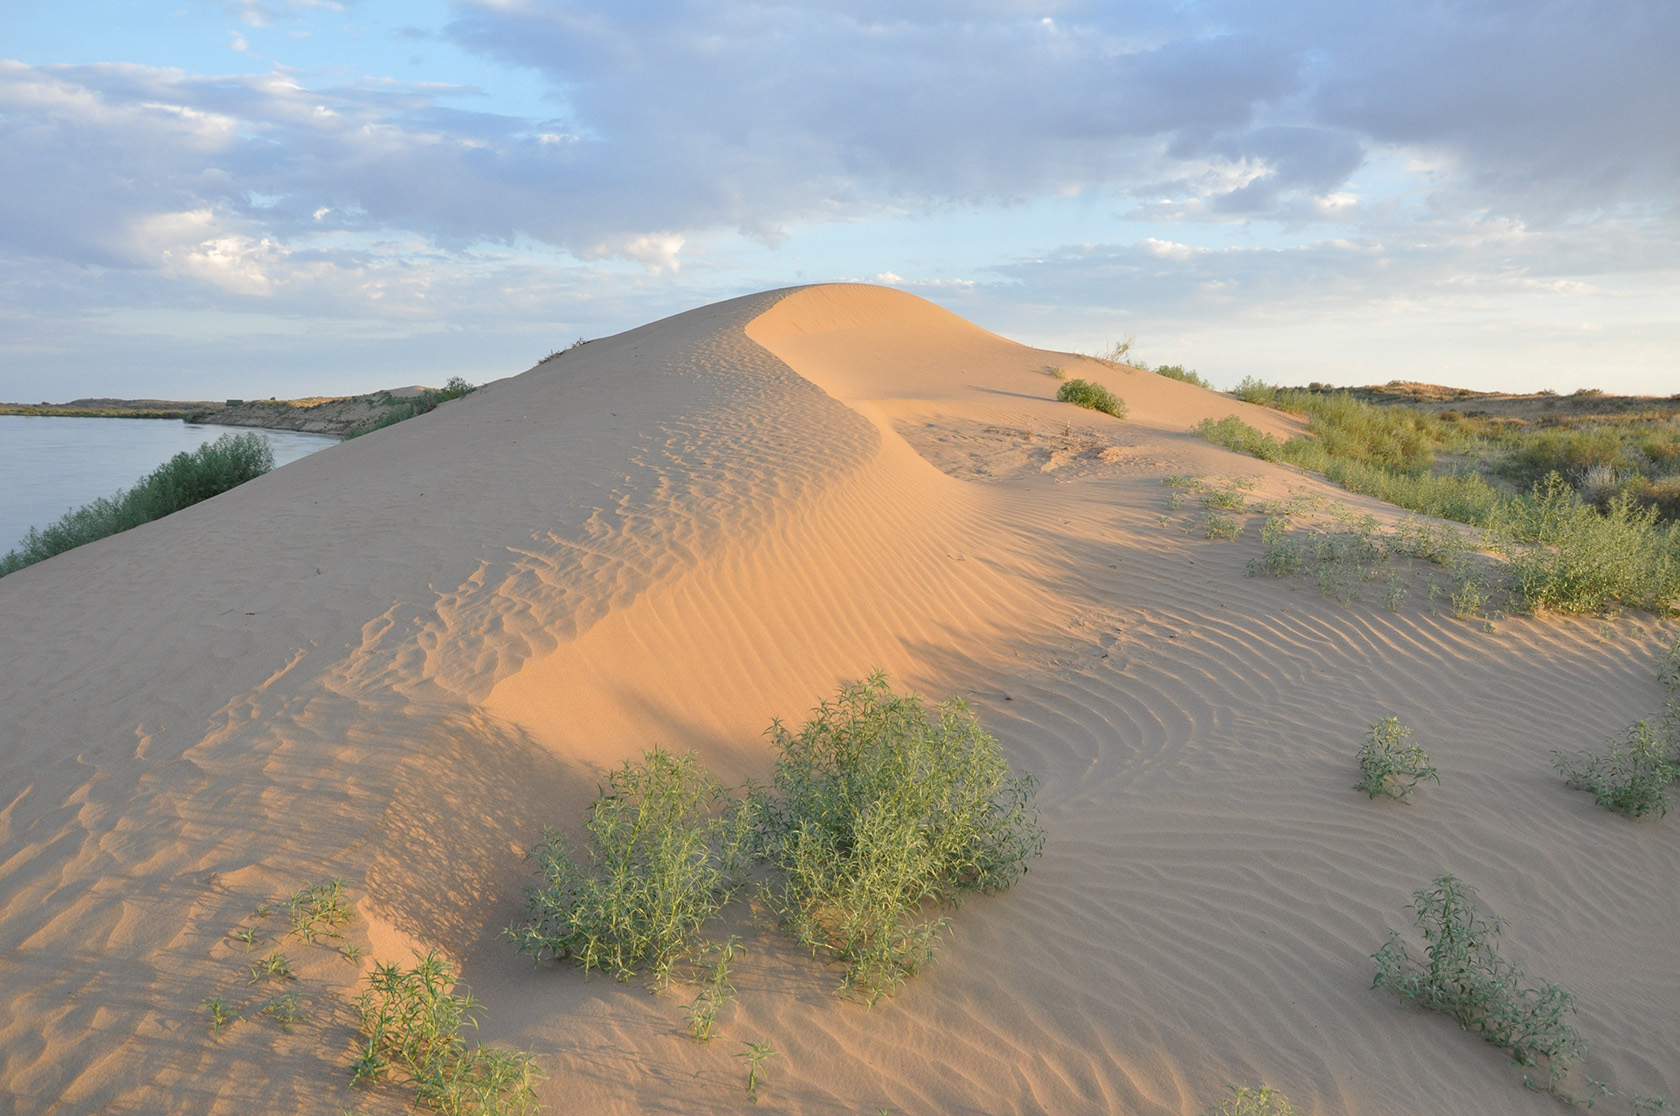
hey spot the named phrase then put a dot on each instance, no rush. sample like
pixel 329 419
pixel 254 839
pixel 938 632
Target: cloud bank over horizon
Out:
pixel 1256 189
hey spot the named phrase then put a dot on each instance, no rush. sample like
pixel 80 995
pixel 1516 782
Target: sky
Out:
pixel 211 198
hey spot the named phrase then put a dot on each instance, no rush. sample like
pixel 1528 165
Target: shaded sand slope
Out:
pixel 396 660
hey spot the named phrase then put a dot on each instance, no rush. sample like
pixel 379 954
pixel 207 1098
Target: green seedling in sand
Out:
pixel 715 992
pixel 1261 1101
pixel 275 966
pixel 755 1054
pixel 1463 975
pixel 411 1020
pixel 319 910
pixel 248 935
pixel 285 1009
pixel 1391 766
pixel 878 807
pixel 668 847
pixel 219 1015
pixel 353 954
pixel 1093 397
pixel 1633 775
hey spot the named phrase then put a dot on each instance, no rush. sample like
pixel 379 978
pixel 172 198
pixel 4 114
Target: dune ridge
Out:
pixel 396 660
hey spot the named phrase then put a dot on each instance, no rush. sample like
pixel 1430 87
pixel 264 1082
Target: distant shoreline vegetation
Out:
pixel 213 468
pixel 346 416
pixel 183 480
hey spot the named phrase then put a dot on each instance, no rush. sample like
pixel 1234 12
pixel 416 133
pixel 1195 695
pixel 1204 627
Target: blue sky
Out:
pixel 289 197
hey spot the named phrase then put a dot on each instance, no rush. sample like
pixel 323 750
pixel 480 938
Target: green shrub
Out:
pixel 1631 776
pixel 1091 396
pixel 1390 765
pixel 878 809
pixel 1567 557
pixel 667 848
pixel 1221 526
pixel 1179 372
pixel 1463 975
pixel 1258 392
pixel 1262 1101
pixel 180 482
pixel 411 1022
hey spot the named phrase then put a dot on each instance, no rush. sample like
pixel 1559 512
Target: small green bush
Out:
pixel 1091 396
pixel 1180 373
pixel 667 848
pixel 1261 1101
pixel 1632 775
pixel 180 482
pixel 1390 765
pixel 1463 975
pixel 878 808
pixel 411 1021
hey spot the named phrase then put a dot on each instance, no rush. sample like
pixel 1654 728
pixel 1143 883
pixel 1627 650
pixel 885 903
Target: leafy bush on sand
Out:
pixel 1390 765
pixel 668 847
pixel 411 1020
pixel 180 482
pixel 879 808
pixel 1463 975
pixel 1095 397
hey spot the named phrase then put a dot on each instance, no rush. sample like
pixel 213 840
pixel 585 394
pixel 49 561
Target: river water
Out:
pixel 49 465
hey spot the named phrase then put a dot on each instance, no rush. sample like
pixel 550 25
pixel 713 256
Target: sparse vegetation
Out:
pixel 1463 975
pixel 1094 397
pixel 1633 775
pixel 183 480
pixel 411 1020
pixel 667 848
pixel 1259 1101
pixel 318 910
pixel 1593 546
pixel 1389 764
pixel 275 966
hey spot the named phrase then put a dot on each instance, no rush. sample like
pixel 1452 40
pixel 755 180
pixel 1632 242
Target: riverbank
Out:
pixel 334 415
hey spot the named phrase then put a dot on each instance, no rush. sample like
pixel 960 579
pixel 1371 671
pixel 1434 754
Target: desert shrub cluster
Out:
pixel 881 814
pixel 1094 397
pixel 1579 516
pixel 183 480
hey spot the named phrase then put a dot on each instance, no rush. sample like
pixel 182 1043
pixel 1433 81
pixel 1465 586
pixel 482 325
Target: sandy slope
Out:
pixel 396 660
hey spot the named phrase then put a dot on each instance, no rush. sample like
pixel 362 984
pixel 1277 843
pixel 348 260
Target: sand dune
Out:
pixel 395 661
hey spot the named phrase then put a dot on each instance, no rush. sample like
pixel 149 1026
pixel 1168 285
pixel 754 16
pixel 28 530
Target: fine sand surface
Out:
pixel 397 660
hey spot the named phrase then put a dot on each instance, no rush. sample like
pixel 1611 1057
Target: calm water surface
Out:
pixel 50 465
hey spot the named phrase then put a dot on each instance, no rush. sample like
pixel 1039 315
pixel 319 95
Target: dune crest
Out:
pixel 395 661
